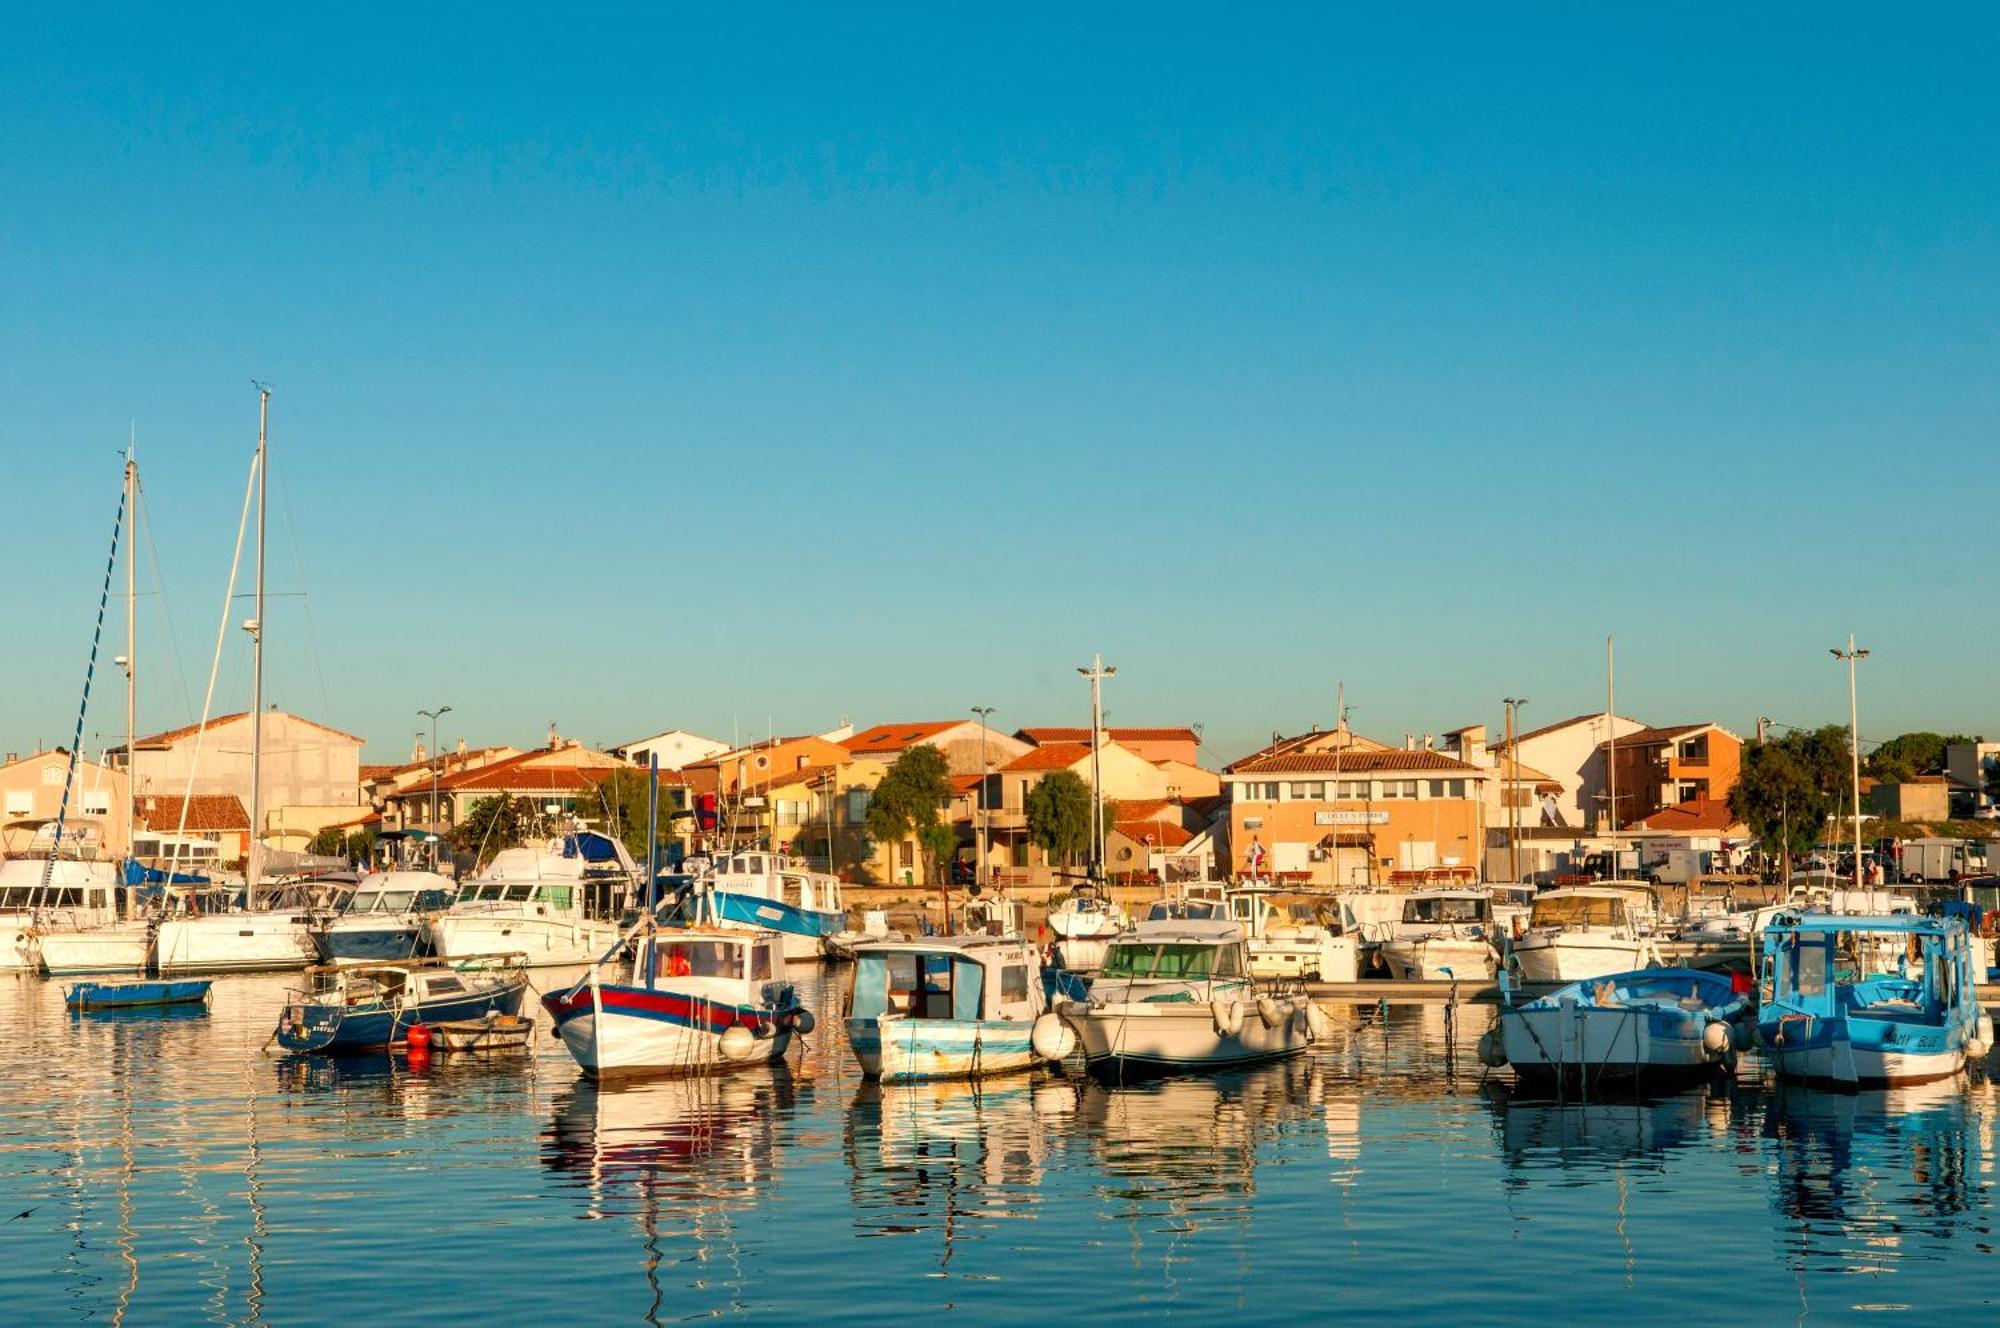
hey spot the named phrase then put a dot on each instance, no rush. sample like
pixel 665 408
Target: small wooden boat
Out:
pixel 1652 1025
pixel 496 1032
pixel 949 1007
pixel 134 995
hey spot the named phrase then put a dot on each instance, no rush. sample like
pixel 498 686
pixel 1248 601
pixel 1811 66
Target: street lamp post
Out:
pixel 979 872
pixel 433 716
pixel 1851 655
pixel 1097 673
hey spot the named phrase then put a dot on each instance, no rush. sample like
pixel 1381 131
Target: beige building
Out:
pixel 1572 753
pixel 31 794
pixel 964 742
pixel 311 773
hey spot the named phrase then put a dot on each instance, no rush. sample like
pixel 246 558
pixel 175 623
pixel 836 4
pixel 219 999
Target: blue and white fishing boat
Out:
pixel 698 999
pixel 1836 1009
pixel 134 995
pixel 767 892
pixel 1649 1025
pixel 949 1007
pixel 385 918
pixel 354 1007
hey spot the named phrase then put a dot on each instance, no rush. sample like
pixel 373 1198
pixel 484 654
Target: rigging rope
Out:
pixel 89 672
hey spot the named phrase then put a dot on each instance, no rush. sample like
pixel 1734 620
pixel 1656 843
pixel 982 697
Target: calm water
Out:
pixel 168 1171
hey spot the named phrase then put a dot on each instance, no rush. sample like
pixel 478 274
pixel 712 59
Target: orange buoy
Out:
pixel 419 1037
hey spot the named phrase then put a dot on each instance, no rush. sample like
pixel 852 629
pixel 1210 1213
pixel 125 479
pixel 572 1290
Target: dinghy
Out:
pixel 134 995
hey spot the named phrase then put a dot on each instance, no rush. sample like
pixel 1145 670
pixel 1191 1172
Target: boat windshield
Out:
pixel 1578 911
pixel 1446 909
pixel 1181 960
pixel 382 901
pixel 697 959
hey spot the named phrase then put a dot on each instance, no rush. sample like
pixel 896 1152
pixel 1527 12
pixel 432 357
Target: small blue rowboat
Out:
pixel 353 1008
pixel 134 995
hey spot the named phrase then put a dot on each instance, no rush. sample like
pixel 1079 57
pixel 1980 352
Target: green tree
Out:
pixel 617 806
pixel 354 845
pixel 910 798
pixel 1907 755
pixel 1777 796
pixel 1059 816
pixel 940 845
pixel 493 824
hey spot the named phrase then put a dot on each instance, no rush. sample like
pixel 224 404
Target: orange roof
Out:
pixel 1047 734
pixel 1055 756
pixel 1654 737
pixel 965 783
pixel 1163 833
pixel 1143 809
pixel 1346 762
pixel 1695 816
pixel 175 735
pixel 205 811
pixel 896 737
pixel 519 774
pixel 370 773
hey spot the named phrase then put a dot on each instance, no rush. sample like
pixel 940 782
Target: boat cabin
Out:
pixel 945 979
pixel 376 984
pixel 1177 951
pixel 775 876
pixel 30 883
pixel 400 892
pixel 709 957
pixel 1447 908
pixel 1188 909
pixel 1590 908
pixel 1890 967
pixel 995 915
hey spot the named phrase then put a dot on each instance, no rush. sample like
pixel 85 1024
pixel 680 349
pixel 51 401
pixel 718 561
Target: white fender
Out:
pixel 1228 1016
pixel 1269 1012
pixel 1052 1038
pixel 738 1043
pixel 1715 1040
pixel 1318 1022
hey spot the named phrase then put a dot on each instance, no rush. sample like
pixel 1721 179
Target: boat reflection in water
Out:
pixel 950 1157
pixel 1596 1141
pixel 1862 1175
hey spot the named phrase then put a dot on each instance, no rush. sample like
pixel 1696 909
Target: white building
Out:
pixel 1569 752
pixel 311 773
pixel 675 748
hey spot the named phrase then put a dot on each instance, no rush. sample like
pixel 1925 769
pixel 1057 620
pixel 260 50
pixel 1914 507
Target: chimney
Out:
pixel 1409 742
pixel 1472 745
pixel 461 746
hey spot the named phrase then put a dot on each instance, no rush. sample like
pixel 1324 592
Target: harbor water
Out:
pixel 165 1167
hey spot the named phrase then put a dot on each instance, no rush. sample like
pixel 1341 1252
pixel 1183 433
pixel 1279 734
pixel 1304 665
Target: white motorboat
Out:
pixel 551 905
pixel 41 895
pixel 1444 934
pixel 1294 935
pixel 949 1007
pixel 1653 1025
pixel 271 938
pixel 1177 995
pixel 761 891
pixel 1586 931
pixel 698 1000
pixel 1083 923
pixel 386 918
pixel 114 947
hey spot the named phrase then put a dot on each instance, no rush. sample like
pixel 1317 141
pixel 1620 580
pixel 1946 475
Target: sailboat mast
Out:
pixel 131 642
pixel 1611 747
pixel 255 863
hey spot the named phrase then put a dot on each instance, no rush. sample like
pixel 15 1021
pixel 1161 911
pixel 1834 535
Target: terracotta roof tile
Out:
pixel 1697 815
pixel 1346 762
pixel 205 811
pixel 522 774
pixel 896 737
pixel 1047 734
pixel 1165 834
pixel 1054 756
pixel 1654 737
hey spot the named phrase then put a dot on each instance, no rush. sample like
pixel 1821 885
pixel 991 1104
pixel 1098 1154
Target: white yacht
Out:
pixel 1586 931
pixel 762 891
pixel 1083 924
pixel 1291 935
pixel 1442 929
pixel 38 896
pixel 1177 995
pixel 274 936
pixel 555 904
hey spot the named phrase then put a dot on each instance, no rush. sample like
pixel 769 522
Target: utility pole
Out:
pixel 1852 655
pixel 1097 673
pixel 1513 704
pixel 980 874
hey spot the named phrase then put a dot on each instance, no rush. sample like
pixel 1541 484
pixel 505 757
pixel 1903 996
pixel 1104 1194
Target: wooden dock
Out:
pixel 1477 993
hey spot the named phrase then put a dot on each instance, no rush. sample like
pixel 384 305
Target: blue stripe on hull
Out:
pixel 774 915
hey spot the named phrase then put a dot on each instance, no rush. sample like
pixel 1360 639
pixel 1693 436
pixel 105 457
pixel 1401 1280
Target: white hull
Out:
pixel 1335 959
pixel 1611 1042
pixel 1572 956
pixel 18 951
pixel 125 947
pixel 1186 1035
pixel 609 1043
pixel 234 942
pixel 903 1050
pixel 1845 1064
pixel 545 942
pixel 1426 960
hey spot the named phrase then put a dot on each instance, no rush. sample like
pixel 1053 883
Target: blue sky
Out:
pixel 638 369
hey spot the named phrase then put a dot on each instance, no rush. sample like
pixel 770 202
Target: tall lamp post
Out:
pixel 1097 673
pixel 433 716
pixel 1851 655
pixel 979 872
pixel 1513 786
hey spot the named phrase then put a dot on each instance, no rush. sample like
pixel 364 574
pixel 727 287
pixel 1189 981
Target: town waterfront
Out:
pixel 166 1169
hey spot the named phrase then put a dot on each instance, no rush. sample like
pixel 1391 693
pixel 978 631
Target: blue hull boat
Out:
pixel 369 1006
pixel 762 914
pixel 134 995
pixel 389 942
